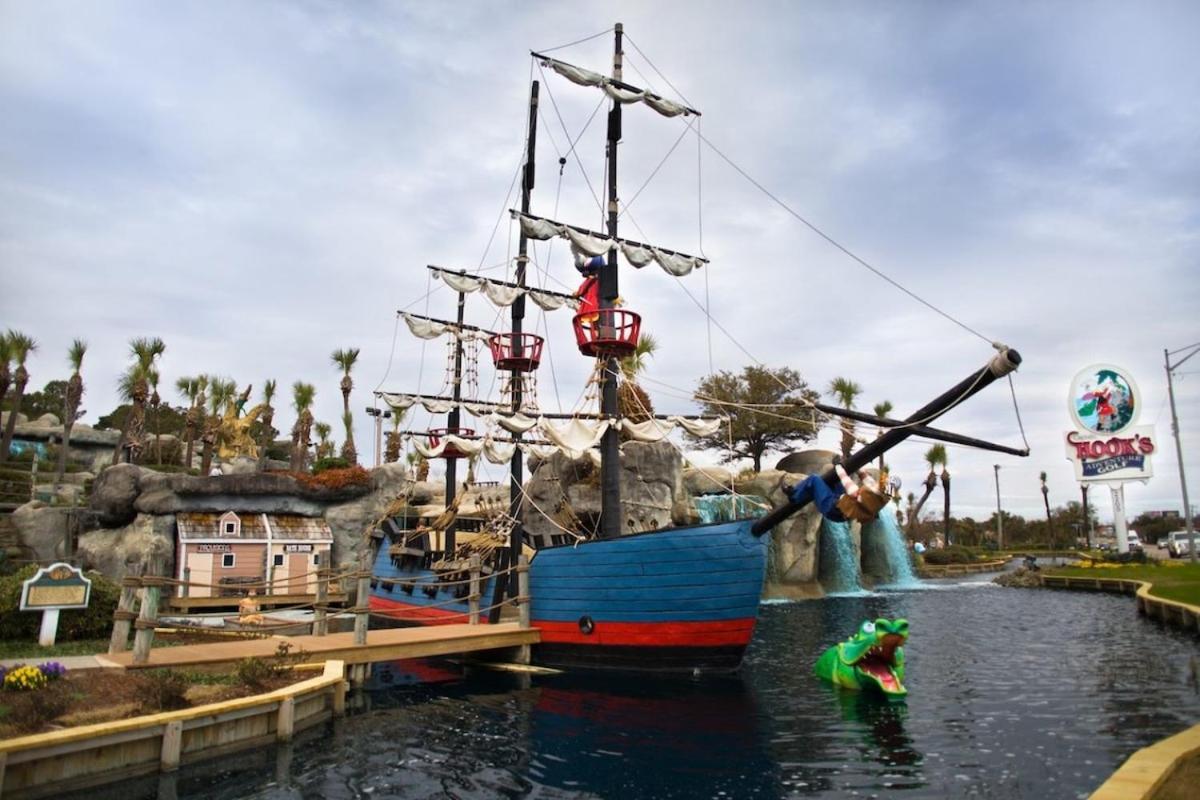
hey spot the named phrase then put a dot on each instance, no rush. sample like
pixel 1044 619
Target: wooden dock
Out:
pixel 387 644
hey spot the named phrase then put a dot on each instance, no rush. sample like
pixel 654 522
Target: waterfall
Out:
pixel 885 532
pixel 727 507
pixel 839 571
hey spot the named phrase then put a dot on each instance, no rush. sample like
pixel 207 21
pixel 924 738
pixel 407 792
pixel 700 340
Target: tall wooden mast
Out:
pixel 453 421
pixel 516 471
pixel 610 454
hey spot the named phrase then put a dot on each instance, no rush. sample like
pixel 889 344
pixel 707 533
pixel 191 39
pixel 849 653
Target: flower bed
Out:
pixel 42 697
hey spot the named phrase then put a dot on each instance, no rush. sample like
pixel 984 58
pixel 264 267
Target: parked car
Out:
pixel 1177 543
pixel 1135 542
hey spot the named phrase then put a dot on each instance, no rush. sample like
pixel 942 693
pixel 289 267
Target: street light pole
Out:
pixel 1187 509
pixel 999 516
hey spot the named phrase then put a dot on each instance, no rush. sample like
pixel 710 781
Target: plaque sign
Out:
pixel 52 589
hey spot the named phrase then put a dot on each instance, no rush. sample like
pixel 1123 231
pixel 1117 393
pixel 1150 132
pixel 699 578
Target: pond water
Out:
pixel 1012 694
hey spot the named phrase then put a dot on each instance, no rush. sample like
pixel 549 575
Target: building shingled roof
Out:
pixel 199 525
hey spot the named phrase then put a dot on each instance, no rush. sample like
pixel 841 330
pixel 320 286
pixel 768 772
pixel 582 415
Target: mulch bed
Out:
pixel 84 697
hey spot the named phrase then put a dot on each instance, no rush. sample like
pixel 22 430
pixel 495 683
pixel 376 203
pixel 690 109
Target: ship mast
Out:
pixel 516 476
pixel 610 454
pixel 452 424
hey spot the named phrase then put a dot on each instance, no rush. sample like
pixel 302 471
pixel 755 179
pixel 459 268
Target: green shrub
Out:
pixel 161 690
pixel 954 554
pixel 256 672
pixel 329 462
pixel 93 622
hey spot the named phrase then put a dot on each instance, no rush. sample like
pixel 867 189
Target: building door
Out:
pixel 200 566
pixel 298 568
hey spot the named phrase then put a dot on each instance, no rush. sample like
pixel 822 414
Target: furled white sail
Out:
pixel 500 293
pixel 515 423
pixel 498 452
pixel 576 436
pixel 550 302
pixel 638 255
pixel 621 94
pixel 425 328
pixel 655 430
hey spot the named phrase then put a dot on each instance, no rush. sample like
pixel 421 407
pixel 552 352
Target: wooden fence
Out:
pixel 47 764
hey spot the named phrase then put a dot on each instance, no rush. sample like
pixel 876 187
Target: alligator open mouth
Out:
pixel 879 664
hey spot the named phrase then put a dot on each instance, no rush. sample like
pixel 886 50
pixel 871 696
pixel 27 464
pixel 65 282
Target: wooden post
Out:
pixel 172 745
pixel 361 607
pixel 124 616
pixel 286 720
pixel 523 588
pixel 473 599
pixel 187 579
pixel 320 625
pixel 143 637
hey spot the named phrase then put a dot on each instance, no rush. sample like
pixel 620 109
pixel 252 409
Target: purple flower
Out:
pixel 53 670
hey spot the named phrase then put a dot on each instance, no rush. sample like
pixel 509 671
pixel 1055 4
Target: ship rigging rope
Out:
pixel 604 32
pixel 702 139
pixel 573 152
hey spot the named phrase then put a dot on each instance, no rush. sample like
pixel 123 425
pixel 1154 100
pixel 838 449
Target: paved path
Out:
pixel 70 662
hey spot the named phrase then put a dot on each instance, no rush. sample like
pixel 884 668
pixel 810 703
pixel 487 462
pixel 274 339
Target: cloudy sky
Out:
pixel 260 183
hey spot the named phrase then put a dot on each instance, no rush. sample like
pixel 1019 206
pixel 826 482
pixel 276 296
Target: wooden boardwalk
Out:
pixel 386 644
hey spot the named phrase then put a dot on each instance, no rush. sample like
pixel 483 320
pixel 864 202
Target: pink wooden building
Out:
pixel 230 553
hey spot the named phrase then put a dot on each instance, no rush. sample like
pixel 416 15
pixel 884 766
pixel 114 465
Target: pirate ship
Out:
pixel 680 599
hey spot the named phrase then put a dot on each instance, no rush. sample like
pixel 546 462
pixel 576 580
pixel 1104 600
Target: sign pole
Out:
pixel 1120 527
pixel 49 627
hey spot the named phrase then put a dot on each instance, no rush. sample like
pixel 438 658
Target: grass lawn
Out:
pixel 31 649
pixel 1172 580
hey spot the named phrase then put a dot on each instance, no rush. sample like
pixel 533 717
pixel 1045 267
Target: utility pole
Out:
pixel 999 516
pixel 1191 350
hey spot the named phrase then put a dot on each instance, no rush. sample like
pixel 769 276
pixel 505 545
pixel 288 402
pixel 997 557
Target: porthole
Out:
pixel 586 625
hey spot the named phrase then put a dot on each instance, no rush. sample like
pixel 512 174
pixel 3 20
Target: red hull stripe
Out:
pixel 420 615
pixel 659 634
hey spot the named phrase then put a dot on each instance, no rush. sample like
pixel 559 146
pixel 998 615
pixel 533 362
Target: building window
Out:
pixel 278 559
pixel 230 528
pixel 227 559
pixel 316 559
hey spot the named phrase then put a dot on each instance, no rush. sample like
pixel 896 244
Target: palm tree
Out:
pixel 845 391
pixel 267 418
pixel 302 400
pixel 345 360
pixel 222 393
pixel 20 346
pixel 134 388
pixel 391 453
pixel 324 446
pixel 155 402
pixel 71 406
pixel 882 410
pixel 5 371
pixel 633 402
pixel 191 389
pixel 933 456
pixel 1046 503
pixel 946 495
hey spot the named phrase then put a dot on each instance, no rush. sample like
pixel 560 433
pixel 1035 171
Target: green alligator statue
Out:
pixel 873 658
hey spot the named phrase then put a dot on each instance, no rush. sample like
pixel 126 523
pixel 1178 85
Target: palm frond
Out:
pixel 345 358
pixel 75 354
pixel 20 346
